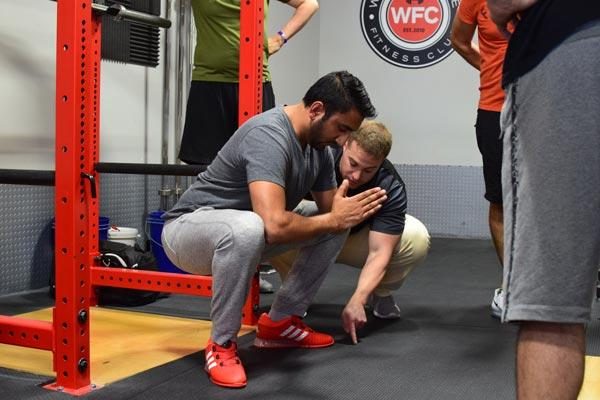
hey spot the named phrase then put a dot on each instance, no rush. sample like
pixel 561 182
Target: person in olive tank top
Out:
pixel 212 107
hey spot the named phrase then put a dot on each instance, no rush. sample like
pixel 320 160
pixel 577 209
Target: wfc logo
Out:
pixel 409 33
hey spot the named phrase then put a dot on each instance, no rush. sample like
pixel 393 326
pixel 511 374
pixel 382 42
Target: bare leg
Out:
pixel 550 361
pixel 496 220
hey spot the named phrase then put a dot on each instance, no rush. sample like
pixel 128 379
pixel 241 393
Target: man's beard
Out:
pixel 315 135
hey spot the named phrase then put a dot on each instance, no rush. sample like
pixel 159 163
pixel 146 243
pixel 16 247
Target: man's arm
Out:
pixel 282 226
pixel 504 11
pixel 381 248
pixel 462 41
pixel 305 9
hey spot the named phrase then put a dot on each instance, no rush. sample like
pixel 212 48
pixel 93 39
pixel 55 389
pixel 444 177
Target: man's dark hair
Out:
pixel 340 91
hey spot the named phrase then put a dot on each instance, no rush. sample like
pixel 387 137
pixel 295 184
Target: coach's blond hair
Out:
pixel 374 138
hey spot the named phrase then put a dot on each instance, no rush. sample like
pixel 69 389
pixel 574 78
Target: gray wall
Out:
pixel 430 111
pixel 296 66
pixel 129 115
pixel 27 211
pixel 26 230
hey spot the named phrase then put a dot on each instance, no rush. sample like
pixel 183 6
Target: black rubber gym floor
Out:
pixel 446 346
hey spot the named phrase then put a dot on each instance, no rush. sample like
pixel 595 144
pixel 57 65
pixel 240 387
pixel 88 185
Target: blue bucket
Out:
pixel 103 227
pixel 154 223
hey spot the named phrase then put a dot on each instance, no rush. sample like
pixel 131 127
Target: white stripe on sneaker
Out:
pixel 292 332
pixel 211 365
pixel 288 330
pixel 295 333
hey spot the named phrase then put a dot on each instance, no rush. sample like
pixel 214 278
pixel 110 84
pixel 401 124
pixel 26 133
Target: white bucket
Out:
pixel 123 234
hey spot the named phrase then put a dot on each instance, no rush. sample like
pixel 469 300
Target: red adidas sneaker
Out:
pixel 223 365
pixel 289 332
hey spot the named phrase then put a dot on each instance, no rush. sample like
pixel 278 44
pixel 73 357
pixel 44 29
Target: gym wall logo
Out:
pixel 409 33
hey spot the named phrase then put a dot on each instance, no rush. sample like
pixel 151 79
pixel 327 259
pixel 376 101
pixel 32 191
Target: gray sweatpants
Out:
pixel 551 181
pixel 229 244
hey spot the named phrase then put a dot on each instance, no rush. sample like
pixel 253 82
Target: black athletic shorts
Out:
pixel 487 129
pixel 211 118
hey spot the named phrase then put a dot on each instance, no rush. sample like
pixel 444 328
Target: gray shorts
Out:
pixel 551 181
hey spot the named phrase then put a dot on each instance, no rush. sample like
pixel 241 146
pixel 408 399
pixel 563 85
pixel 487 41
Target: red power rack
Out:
pixel 251 59
pixel 77 271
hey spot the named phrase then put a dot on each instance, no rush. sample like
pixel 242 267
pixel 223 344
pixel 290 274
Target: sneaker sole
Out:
pixel 224 384
pixel 280 344
pixel 387 316
pixel 496 313
pixel 495 310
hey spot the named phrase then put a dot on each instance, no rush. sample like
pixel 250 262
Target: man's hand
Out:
pixel 503 12
pixel 350 211
pixel 353 318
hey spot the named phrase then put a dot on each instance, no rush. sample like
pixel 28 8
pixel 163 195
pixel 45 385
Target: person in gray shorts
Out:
pixel 241 210
pixel 551 181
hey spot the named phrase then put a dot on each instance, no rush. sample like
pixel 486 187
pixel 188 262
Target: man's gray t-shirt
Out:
pixel 265 148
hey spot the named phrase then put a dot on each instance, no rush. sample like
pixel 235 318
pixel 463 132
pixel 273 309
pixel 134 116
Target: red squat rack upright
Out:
pixel 76 202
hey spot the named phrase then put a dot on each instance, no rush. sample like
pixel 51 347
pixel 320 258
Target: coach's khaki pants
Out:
pixel 409 253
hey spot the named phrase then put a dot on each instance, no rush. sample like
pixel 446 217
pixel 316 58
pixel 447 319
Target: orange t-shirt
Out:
pixel 492 47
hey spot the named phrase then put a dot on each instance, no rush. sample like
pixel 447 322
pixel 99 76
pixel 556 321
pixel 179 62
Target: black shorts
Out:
pixel 487 129
pixel 211 118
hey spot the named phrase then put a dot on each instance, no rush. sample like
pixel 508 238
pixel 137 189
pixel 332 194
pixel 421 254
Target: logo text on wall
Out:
pixel 409 33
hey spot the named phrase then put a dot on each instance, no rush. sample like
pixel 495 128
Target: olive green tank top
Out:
pixel 216 57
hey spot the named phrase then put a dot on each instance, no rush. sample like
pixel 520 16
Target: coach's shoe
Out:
pixel 385 307
pixel 265 286
pixel 497 305
pixel 289 332
pixel 223 365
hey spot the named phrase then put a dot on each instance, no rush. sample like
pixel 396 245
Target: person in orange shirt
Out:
pixel 486 56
